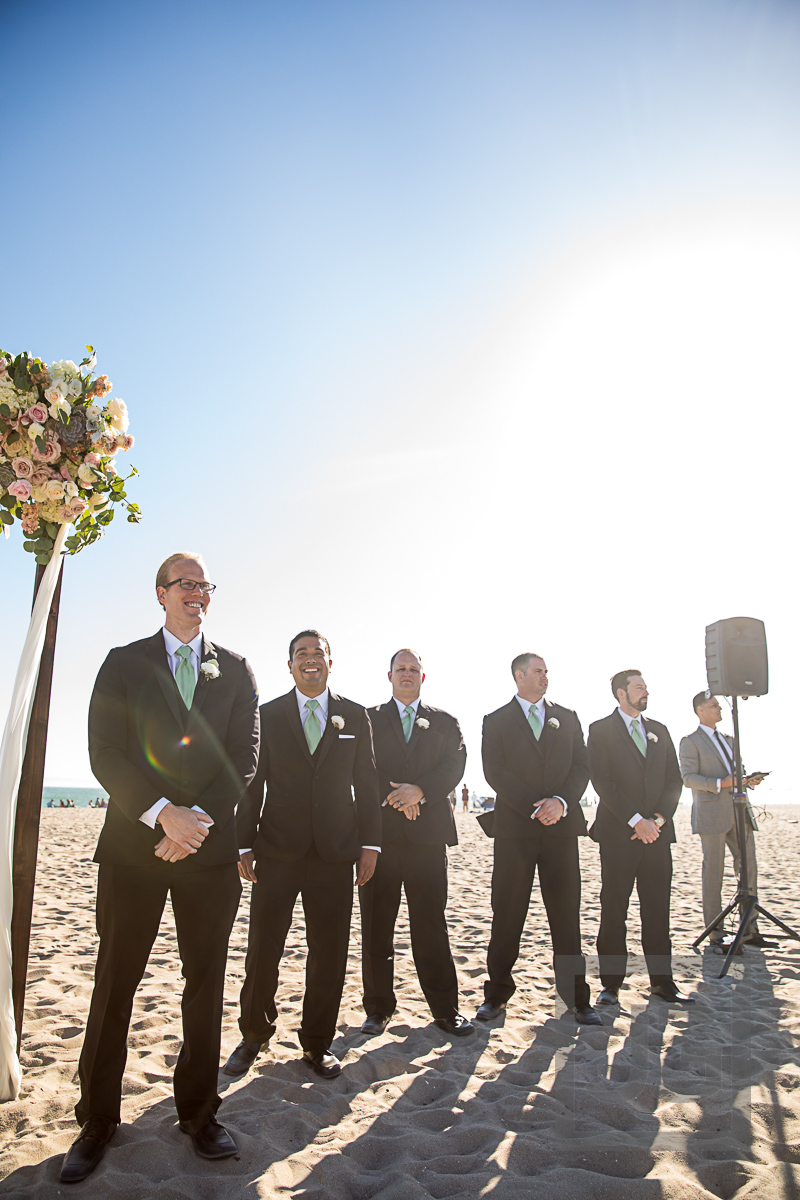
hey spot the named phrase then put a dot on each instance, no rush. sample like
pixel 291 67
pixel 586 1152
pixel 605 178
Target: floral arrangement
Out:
pixel 58 440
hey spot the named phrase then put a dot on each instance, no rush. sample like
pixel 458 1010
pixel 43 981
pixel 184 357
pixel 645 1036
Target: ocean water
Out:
pixel 79 795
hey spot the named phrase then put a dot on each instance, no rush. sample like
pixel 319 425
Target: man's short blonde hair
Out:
pixel 162 575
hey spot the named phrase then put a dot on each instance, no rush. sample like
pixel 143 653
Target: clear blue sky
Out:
pixel 470 326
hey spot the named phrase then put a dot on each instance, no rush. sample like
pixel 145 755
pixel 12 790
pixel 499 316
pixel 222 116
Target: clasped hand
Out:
pixel 549 811
pixel 405 798
pixel 646 830
pixel 184 832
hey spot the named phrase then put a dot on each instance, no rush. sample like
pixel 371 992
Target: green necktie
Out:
pixel 408 722
pixel 311 728
pixel 184 675
pixel 534 722
pixel 636 734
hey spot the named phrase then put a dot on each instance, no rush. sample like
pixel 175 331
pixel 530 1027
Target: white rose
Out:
pixel 652 737
pixel 54 492
pixel 86 474
pixel 117 412
pixel 35 430
pixel 74 388
pixel 98 500
pixel 60 410
pixel 554 723
pixel 70 491
pixel 422 723
pixel 210 669
pixel 38 493
pixel 337 722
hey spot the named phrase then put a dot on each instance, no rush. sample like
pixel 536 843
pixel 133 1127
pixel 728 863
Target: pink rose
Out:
pixel 41 475
pixel 124 441
pixel 21 489
pixel 92 460
pixel 23 467
pixel 37 414
pixel 52 451
pixel 64 473
pixel 108 445
pixel 74 509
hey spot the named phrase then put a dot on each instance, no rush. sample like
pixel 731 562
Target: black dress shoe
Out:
pixel 671 993
pixel 456 1026
pixel 756 939
pixel 490 1009
pixel 88 1148
pixel 375 1024
pixel 211 1140
pixel 323 1064
pixel 243 1057
pixel 608 996
pixel 587 1016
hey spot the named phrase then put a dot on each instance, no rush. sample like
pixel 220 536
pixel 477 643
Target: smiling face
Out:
pixel 310 666
pixel 406 677
pixel 532 682
pixel 184 610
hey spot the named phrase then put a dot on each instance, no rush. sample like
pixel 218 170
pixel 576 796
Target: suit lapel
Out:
pixel 296 725
pixel 393 717
pixel 329 733
pixel 717 750
pixel 203 684
pixel 548 733
pixel 166 681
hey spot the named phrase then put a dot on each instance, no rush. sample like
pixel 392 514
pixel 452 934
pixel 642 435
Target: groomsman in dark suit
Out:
pixel 535 760
pixel 636 776
pixel 420 756
pixel 311 812
pixel 173 737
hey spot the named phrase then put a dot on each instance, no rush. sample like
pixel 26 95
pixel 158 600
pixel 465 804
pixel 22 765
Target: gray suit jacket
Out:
pixel 702 764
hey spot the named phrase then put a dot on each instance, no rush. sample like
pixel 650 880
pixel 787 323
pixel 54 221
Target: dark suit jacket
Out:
pixel 627 782
pixel 523 771
pixel 433 759
pixel 296 800
pixel 144 744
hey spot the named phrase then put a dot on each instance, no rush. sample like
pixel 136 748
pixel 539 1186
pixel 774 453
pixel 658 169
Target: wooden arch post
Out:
pixel 29 808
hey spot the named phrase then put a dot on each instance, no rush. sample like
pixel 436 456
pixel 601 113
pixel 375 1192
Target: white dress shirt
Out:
pixel 539 708
pixel 322 716
pixel 637 817
pixel 173 644
pixel 712 733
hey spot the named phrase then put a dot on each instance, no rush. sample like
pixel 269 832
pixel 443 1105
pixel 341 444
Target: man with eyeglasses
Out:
pixel 173 737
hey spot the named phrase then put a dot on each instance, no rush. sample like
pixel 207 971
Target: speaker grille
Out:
pixel 736 657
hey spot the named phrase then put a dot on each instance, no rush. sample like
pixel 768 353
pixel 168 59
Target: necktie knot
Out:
pixel 184 652
pixel 312 704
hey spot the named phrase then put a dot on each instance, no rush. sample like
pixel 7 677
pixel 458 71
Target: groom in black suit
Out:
pixel 420 756
pixel 311 812
pixel 173 737
pixel 535 759
pixel 638 781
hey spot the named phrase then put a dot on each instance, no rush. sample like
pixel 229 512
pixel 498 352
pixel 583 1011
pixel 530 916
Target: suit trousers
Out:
pixel 422 871
pixel 624 863
pixel 714 868
pixel 327 894
pixel 515 863
pixel 130 904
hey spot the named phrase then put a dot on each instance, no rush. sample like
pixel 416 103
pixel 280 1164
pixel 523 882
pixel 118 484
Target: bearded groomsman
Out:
pixel 636 776
pixel 420 757
pixel 535 759
pixel 173 737
pixel 311 812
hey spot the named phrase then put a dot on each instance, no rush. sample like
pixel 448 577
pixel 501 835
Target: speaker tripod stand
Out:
pixel 746 898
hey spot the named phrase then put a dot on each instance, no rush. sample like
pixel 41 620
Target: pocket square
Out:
pixel 347 735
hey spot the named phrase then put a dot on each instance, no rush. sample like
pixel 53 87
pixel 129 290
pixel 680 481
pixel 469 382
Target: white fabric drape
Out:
pixel 12 752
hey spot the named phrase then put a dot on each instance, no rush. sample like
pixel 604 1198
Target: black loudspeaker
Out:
pixel 736 657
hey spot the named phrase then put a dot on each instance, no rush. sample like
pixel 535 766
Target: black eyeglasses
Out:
pixel 191 585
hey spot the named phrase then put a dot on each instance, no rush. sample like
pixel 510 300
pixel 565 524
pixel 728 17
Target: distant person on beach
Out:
pixel 535 759
pixel 173 737
pixel 636 776
pixel 465 799
pixel 420 755
pixel 311 814
pixel 706 758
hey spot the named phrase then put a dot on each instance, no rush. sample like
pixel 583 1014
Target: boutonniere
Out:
pixel 210 669
pixel 423 724
pixel 337 722
pixel 554 723
pixel 651 737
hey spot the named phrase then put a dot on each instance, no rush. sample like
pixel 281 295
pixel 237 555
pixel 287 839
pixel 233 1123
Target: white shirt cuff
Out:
pixel 564 804
pixel 150 817
pixel 719 786
pixel 635 819
pixel 372 848
pixel 247 850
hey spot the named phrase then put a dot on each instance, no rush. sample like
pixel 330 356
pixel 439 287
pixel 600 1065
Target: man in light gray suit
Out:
pixel 707 768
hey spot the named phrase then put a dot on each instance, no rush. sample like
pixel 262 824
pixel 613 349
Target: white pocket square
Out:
pixel 347 735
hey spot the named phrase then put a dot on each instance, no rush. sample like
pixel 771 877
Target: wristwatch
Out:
pixel 660 822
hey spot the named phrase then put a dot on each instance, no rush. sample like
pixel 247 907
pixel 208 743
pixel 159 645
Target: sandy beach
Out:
pixel 666 1103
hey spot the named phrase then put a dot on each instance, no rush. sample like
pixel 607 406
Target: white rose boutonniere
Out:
pixel 652 737
pixel 554 723
pixel 423 724
pixel 210 669
pixel 337 722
